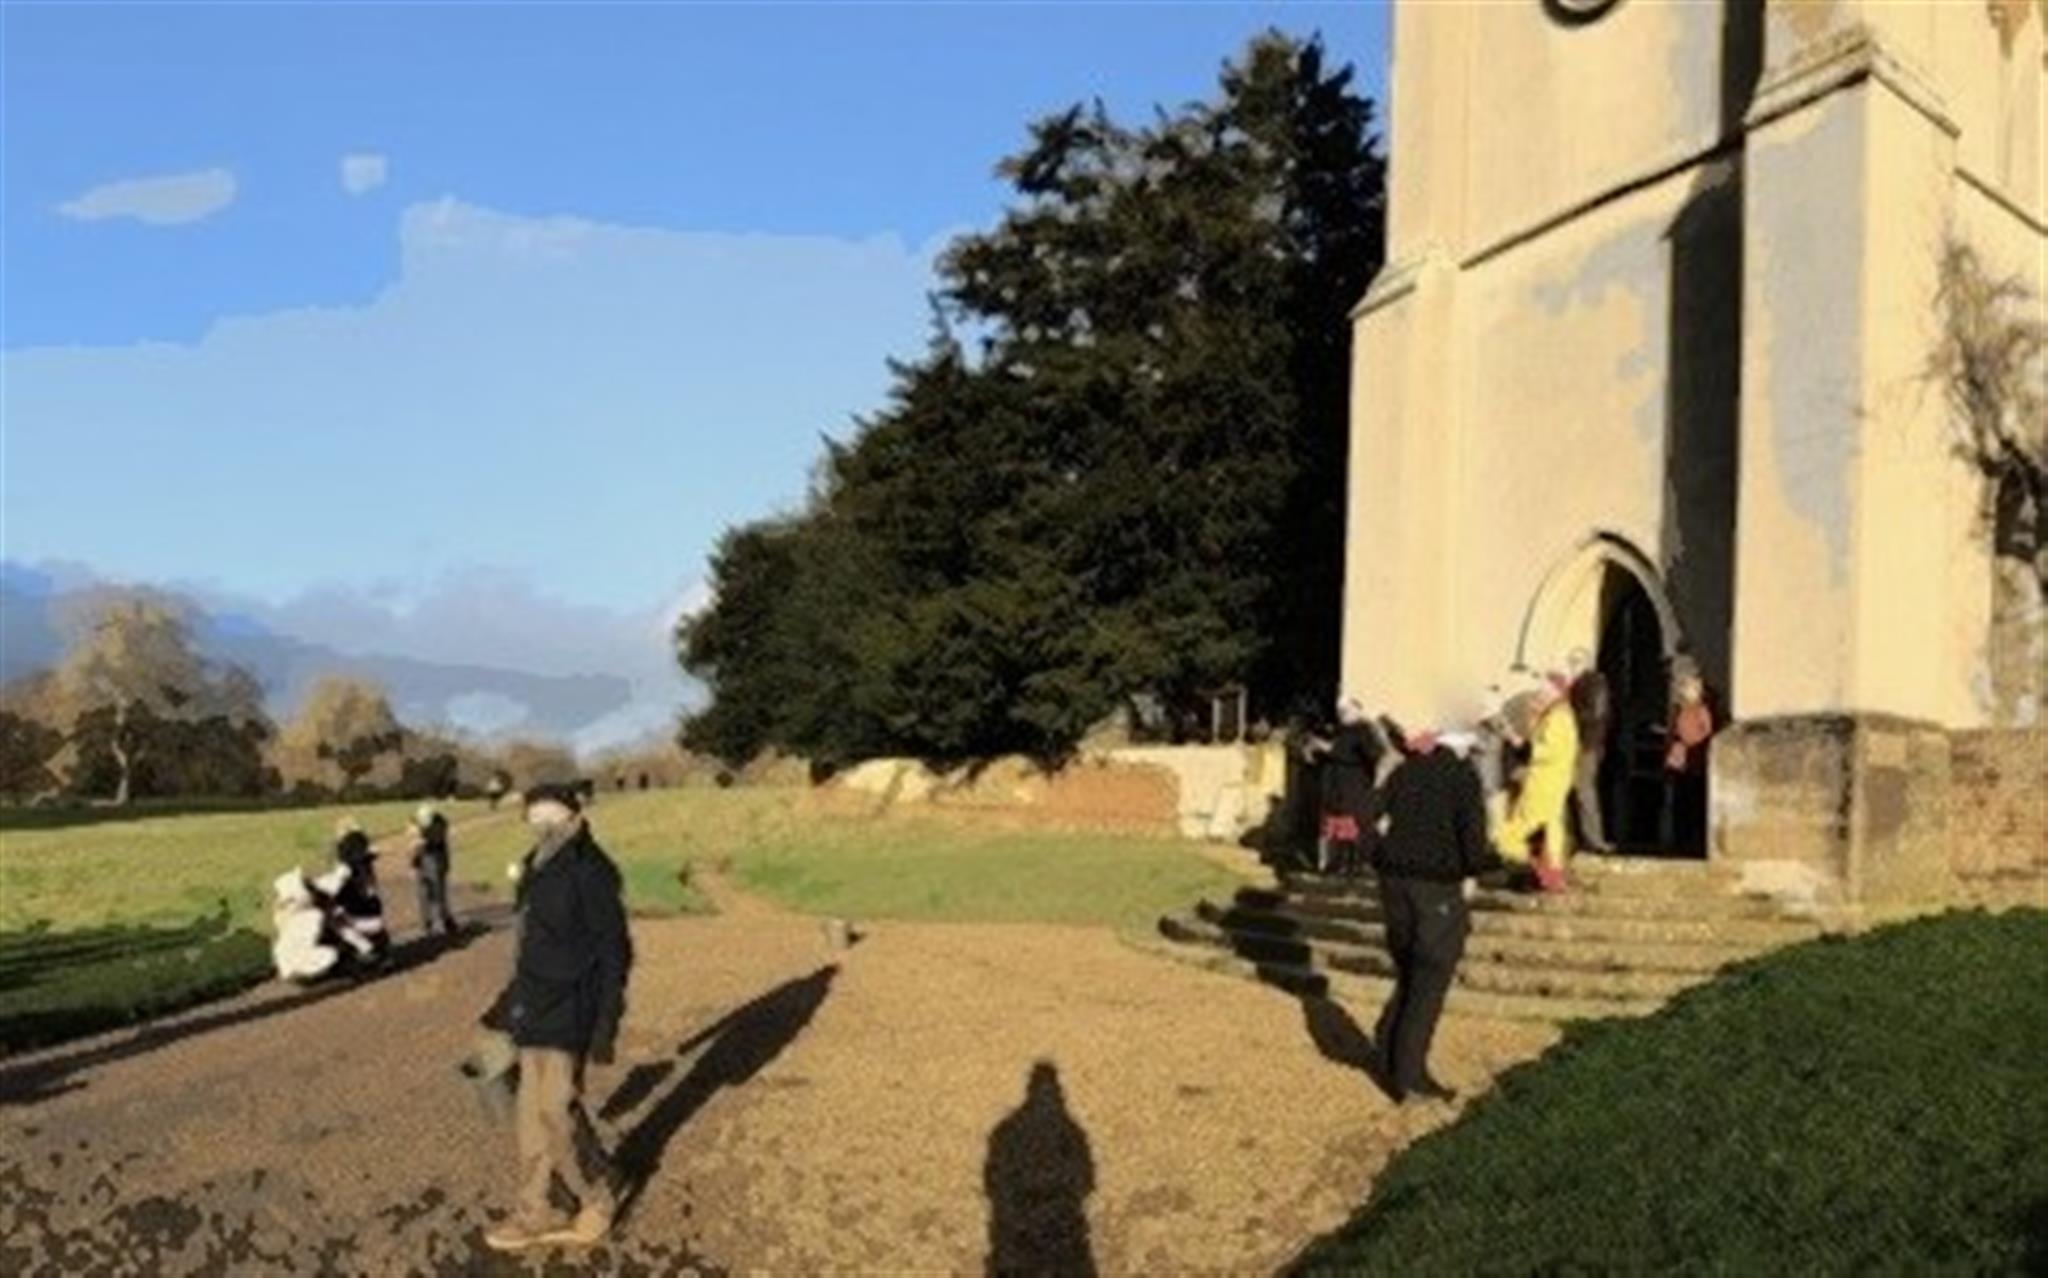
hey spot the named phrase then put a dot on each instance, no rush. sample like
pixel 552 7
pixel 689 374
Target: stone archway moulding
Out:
pixel 1543 640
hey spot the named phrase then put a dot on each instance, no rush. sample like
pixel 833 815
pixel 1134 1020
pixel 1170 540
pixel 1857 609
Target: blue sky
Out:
pixel 333 311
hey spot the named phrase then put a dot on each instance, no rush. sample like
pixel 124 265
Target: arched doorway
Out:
pixel 1631 655
pixel 1607 601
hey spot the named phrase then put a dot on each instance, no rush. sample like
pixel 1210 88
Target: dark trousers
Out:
pixel 1685 812
pixel 434 911
pixel 1586 799
pixel 1426 925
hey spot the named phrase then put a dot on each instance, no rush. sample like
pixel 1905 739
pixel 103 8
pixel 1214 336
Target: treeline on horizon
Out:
pixel 134 711
pixel 1123 490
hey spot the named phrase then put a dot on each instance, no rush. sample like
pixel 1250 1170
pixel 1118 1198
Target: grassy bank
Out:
pixel 61 985
pixel 1873 1105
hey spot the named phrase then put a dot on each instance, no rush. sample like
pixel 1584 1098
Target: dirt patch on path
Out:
pixel 933 1095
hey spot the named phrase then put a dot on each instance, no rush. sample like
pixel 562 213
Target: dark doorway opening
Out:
pixel 1632 657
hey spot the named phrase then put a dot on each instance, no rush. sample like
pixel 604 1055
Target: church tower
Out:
pixel 1646 378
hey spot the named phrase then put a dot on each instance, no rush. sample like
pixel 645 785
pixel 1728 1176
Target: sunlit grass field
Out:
pixel 171 869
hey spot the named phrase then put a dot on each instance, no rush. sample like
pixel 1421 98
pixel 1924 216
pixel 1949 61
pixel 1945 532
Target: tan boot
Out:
pixel 591 1226
pixel 518 1234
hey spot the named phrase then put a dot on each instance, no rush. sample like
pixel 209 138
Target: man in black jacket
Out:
pixel 562 1007
pixel 1435 839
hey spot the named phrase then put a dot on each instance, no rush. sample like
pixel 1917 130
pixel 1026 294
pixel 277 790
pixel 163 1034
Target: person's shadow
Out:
pixel 55 1073
pixel 1341 1041
pixel 1038 1177
pixel 743 1043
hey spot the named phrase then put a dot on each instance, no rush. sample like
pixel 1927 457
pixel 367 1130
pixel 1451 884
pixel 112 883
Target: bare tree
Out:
pixel 1989 362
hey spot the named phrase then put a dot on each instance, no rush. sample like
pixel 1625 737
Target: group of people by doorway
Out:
pixel 1512 782
pixel 1539 746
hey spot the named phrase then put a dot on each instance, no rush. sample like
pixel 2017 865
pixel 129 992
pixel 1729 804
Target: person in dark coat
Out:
pixel 561 1010
pixel 1350 761
pixel 1593 707
pixel 348 894
pixel 1435 839
pixel 430 863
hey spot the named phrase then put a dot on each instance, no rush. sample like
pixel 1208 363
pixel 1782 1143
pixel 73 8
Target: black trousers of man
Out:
pixel 1426 926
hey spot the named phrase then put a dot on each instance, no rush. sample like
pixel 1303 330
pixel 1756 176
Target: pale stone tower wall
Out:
pixel 1659 300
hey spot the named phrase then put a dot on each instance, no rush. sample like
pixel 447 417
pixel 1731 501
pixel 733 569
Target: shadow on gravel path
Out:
pixel 40 1077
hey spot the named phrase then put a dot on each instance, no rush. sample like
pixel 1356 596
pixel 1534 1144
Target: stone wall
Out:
pixel 1998 804
pixel 1830 812
pixel 1094 794
pixel 1199 792
pixel 1221 791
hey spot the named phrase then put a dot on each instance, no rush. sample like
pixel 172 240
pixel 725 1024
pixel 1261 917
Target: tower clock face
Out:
pixel 1576 12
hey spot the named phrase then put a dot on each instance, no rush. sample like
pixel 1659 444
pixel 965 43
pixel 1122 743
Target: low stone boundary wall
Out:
pixel 1998 803
pixel 1199 792
pixel 1084 795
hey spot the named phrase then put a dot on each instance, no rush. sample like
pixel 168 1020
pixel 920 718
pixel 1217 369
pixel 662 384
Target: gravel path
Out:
pixel 936 1098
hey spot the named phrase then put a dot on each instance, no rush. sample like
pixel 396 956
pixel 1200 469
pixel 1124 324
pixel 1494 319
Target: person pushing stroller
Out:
pixel 348 894
pixel 334 921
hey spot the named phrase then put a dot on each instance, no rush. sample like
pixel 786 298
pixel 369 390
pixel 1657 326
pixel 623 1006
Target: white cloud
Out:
pixel 584 405
pixel 363 171
pixel 587 405
pixel 160 201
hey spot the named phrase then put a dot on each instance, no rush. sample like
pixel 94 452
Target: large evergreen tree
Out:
pixel 1133 487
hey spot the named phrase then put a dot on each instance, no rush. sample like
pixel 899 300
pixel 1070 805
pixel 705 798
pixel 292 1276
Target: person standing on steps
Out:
pixel 1350 762
pixel 430 858
pixel 1593 711
pixel 562 1010
pixel 1535 831
pixel 1435 840
pixel 1685 761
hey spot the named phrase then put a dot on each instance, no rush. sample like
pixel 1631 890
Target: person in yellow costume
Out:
pixel 1536 815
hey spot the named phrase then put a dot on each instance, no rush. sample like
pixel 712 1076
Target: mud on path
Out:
pixel 937 1097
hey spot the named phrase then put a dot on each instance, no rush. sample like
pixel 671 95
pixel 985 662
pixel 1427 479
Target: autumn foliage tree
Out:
pixel 343 731
pixel 134 694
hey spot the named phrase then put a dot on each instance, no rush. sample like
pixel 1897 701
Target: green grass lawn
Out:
pixel 171 869
pixel 943 868
pixel 1875 1105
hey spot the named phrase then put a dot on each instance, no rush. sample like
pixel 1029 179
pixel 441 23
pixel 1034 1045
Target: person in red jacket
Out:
pixel 1685 763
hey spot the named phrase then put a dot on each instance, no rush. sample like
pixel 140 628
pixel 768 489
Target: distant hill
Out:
pixel 423 692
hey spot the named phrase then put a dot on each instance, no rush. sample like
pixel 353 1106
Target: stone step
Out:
pixel 1754 925
pixel 1612 875
pixel 1609 906
pixel 1692 889
pixel 1700 956
pixel 1480 974
pixel 1366 995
